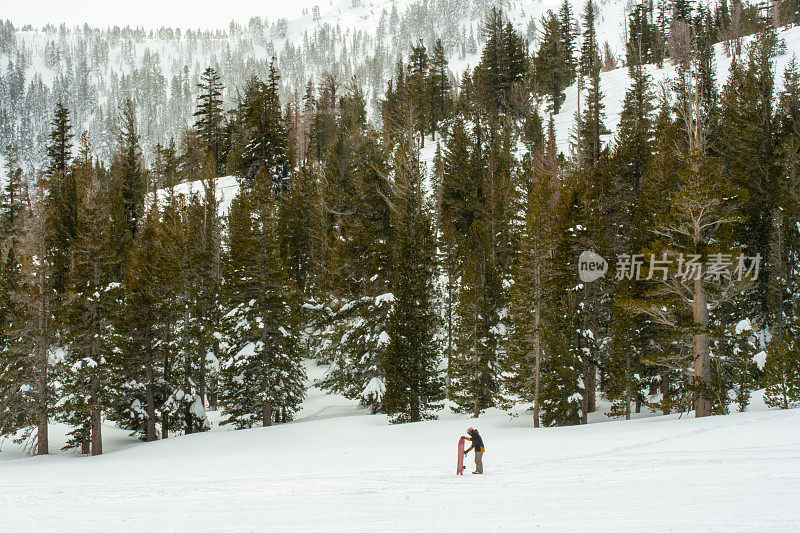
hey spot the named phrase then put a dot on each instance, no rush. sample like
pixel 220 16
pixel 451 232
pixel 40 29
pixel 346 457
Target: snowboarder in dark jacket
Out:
pixel 477 445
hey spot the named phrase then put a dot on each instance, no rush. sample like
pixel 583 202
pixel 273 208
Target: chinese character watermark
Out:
pixel 717 267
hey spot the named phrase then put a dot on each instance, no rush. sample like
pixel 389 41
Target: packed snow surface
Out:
pixel 338 468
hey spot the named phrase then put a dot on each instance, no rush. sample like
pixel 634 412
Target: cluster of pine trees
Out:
pixel 127 302
pixel 124 301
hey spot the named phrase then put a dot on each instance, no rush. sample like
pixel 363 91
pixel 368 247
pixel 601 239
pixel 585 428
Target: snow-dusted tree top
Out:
pixel 93 70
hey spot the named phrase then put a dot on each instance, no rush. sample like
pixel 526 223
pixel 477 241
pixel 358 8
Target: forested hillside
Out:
pixel 92 71
pixel 415 225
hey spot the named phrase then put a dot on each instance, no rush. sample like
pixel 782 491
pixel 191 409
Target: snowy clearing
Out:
pixel 340 469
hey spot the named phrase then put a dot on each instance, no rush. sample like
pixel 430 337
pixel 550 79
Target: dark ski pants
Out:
pixel 479 461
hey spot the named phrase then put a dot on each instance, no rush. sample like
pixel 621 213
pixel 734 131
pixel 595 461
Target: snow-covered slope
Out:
pixel 92 70
pixel 615 83
pixel 340 469
pixel 227 187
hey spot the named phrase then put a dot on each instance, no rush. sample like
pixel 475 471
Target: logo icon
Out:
pixel 591 266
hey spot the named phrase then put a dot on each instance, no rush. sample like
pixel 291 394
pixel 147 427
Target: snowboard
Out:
pixel 460 467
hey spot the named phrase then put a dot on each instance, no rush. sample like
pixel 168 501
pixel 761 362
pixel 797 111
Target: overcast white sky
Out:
pixel 151 13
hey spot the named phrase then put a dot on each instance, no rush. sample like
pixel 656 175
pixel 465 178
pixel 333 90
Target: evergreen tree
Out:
pixel 634 143
pixel 642 36
pixel 360 266
pixel 90 304
pixel 209 266
pixel 706 74
pixel 210 118
pixel 410 361
pixel 561 388
pixel 417 87
pixel 738 365
pixel 661 30
pixel 13 199
pixel 682 10
pixel 747 145
pixel 15 368
pixel 26 373
pixel 136 366
pixel 189 313
pixel 568 35
pixel 59 146
pixel 782 374
pixel 553 70
pixel 577 320
pixel 440 87
pixel 127 164
pixel 699 226
pixel 529 292
pixel 630 162
pixel 590 50
pixel 781 370
pixel 591 126
pixel 504 60
pixel 477 199
pixel 303 238
pixel 261 140
pixel 261 375
pixel 61 196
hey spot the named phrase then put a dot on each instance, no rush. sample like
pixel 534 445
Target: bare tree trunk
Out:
pixel 447 379
pixel 700 349
pixel 476 408
pixel 212 399
pixel 578 150
pixel 95 417
pixel 537 346
pixel 42 347
pixel 216 314
pixel 164 425
pixel 95 412
pixel 42 436
pixel 664 392
pixel 628 387
pixel 415 414
pixel 201 387
pixel 266 414
pixel 167 377
pixel 777 259
pixel 589 401
pixel 150 427
pixel 585 399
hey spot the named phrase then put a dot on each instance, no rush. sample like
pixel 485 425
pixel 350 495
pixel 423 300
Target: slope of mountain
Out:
pixel 93 70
